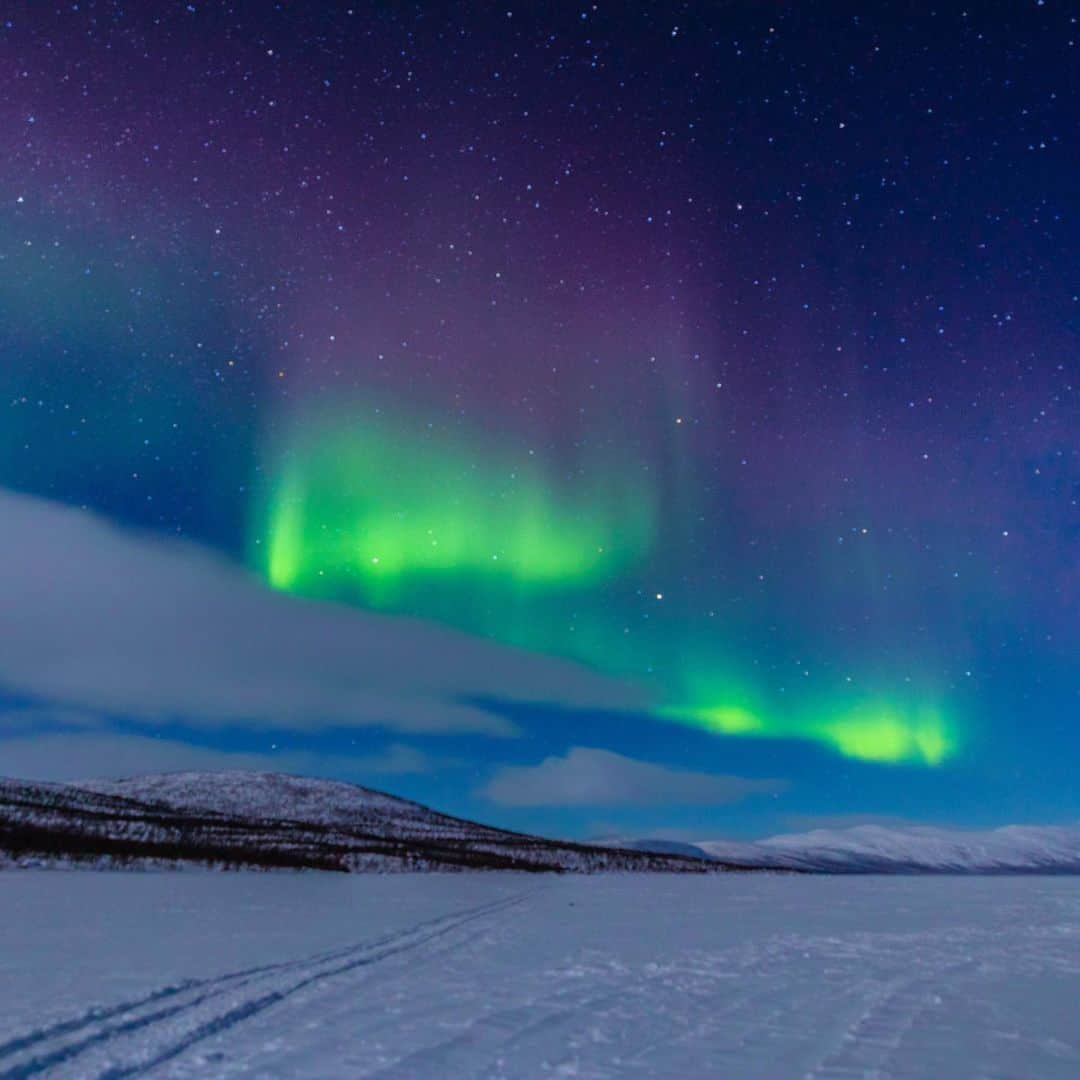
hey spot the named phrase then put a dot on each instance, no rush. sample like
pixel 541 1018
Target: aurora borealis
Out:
pixel 364 509
pixel 728 353
pixel 383 508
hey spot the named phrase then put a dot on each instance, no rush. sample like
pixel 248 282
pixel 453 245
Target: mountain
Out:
pixel 249 819
pixel 915 849
pixel 272 820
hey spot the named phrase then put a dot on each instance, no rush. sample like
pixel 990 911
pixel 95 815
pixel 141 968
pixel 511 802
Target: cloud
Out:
pixel 398 759
pixel 84 756
pixel 95 617
pixel 36 718
pixel 589 776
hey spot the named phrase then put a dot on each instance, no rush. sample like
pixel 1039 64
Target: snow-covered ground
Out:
pixel 498 975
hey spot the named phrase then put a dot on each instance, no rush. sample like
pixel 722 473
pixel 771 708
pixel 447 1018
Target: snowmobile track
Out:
pixel 108 1027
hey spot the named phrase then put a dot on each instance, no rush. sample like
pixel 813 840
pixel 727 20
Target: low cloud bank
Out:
pixel 95 617
pixel 589 776
pixel 108 756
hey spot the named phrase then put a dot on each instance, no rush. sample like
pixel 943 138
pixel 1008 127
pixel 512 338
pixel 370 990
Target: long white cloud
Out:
pixel 104 755
pixel 590 776
pixel 95 617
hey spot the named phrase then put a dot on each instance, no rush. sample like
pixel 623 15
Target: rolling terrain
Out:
pixel 275 821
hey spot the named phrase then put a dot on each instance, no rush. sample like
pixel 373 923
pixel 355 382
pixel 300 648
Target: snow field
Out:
pixel 505 975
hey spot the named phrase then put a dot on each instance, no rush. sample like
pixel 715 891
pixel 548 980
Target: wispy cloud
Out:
pixel 104 755
pixel 589 776
pixel 97 618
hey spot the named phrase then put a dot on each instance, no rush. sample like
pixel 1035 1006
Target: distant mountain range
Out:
pixel 915 849
pixel 270 820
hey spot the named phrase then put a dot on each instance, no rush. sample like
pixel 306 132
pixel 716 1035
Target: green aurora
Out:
pixel 406 518
pixel 385 512
pixel 874 731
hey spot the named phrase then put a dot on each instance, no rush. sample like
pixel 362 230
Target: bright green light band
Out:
pixel 881 733
pixel 374 508
pixel 408 518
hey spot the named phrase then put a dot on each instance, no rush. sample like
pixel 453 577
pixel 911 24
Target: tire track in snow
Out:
pixel 676 1012
pixel 99 1013
pixel 867 1045
pixel 103 1027
pixel 488 1037
pixel 492 1042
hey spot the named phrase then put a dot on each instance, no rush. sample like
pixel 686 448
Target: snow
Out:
pixel 509 975
pixel 1011 849
pixel 259 795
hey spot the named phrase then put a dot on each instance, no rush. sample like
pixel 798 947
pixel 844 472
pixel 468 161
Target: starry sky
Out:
pixel 670 410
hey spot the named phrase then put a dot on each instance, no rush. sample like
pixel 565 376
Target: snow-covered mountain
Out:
pixel 273 796
pixel 865 849
pixel 274 820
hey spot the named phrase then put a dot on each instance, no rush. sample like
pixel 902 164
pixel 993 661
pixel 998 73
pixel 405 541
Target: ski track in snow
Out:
pixel 619 977
pixel 163 1024
pixel 677 1020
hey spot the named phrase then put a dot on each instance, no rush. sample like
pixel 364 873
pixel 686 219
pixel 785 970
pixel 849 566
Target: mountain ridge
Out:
pixel 912 849
pixel 276 820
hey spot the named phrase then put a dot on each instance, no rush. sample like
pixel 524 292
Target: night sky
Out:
pixel 672 407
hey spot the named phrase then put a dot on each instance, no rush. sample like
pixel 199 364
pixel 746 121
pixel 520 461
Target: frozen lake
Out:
pixel 308 975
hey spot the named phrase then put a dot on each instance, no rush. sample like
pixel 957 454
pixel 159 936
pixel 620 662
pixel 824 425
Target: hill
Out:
pixel 915 849
pixel 272 820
